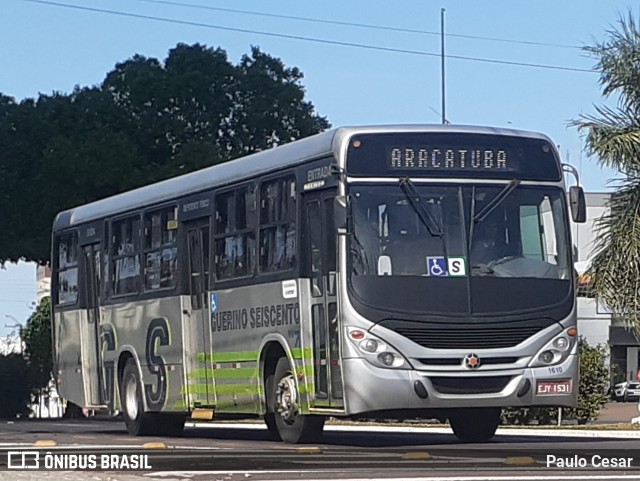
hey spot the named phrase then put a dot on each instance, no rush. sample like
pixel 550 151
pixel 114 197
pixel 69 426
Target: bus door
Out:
pixel 197 322
pixel 91 347
pixel 321 266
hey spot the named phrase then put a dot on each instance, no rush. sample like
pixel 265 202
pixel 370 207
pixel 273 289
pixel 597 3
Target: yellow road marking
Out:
pixel 156 445
pixel 519 460
pixel 43 443
pixel 416 455
pixel 308 450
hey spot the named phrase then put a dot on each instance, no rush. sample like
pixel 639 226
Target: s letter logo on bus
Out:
pixel 472 361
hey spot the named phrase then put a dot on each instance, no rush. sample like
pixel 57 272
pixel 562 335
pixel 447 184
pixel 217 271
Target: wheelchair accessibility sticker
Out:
pixel 439 266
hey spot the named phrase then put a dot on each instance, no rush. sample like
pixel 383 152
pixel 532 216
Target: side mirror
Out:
pixel 340 214
pixel 578 204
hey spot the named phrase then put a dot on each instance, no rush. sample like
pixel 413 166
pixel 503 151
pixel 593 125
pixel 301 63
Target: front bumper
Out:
pixel 369 388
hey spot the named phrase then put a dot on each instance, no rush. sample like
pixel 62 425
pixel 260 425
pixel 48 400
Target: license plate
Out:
pixel 554 387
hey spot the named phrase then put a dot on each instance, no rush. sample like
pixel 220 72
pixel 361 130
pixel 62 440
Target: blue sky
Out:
pixel 50 48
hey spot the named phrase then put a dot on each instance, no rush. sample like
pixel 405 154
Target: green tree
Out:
pixel 594 379
pixel 613 135
pixel 36 336
pixel 15 394
pixel 38 356
pixel 149 120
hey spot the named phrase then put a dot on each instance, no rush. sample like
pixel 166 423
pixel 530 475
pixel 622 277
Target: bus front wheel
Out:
pixel 270 416
pixel 475 425
pixel 137 421
pixel 292 426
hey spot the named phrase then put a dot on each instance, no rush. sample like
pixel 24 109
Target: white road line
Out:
pixel 593 433
pixel 298 474
pixel 79 447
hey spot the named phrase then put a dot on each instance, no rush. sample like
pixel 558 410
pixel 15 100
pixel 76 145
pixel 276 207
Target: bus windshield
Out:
pixel 494 242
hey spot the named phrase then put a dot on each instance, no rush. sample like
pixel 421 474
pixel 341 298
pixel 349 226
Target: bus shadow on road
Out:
pixel 376 439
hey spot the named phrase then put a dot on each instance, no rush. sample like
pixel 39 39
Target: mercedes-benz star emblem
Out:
pixel 471 361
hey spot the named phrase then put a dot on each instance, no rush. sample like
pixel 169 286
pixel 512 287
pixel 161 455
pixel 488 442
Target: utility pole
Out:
pixel 17 328
pixel 444 116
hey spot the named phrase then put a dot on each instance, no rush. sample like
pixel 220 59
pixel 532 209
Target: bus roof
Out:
pixel 313 147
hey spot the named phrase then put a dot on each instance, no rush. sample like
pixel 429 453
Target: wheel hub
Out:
pixel 287 399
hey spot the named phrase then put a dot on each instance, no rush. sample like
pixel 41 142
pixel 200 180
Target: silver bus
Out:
pixel 380 272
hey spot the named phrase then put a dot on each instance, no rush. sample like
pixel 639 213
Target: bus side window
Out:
pixel 160 248
pixel 67 267
pixel 234 235
pixel 125 256
pixel 277 251
pixel 106 264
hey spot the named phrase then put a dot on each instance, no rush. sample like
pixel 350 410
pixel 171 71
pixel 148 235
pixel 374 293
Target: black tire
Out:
pixel 270 417
pixel 292 426
pixel 168 424
pixel 475 425
pixel 137 421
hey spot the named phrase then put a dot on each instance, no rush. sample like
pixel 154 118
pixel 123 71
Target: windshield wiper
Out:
pixel 412 195
pixel 496 201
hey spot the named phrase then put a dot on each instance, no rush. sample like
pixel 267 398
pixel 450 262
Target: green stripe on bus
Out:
pixel 306 388
pixel 202 357
pixel 236 373
pixel 244 356
pixel 197 389
pixel 235 356
pixel 239 356
pixel 201 373
pixel 298 353
pixel 307 370
pixel 180 406
pixel 223 373
pixel 231 407
pixel 238 389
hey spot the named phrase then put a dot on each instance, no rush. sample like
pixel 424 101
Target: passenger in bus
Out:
pixel 489 242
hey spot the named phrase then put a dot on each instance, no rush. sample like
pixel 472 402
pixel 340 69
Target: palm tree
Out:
pixel 613 135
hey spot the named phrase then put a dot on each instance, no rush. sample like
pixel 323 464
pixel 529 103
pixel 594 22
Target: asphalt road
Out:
pixel 233 452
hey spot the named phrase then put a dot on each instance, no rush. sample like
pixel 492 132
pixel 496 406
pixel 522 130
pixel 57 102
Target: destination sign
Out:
pixel 453 159
pixel 453 154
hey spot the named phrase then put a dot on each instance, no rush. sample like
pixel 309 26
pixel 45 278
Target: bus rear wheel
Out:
pixel 292 426
pixel 137 421
pixel 475 425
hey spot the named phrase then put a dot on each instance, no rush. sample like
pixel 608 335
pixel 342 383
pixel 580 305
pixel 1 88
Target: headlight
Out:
pixel 375 350
pixel 386 358
pixel 561 343
pixel 370 345
pixel 557 350
pixel 546 357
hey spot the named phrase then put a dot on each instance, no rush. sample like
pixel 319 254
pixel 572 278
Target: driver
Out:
pixel 488 243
